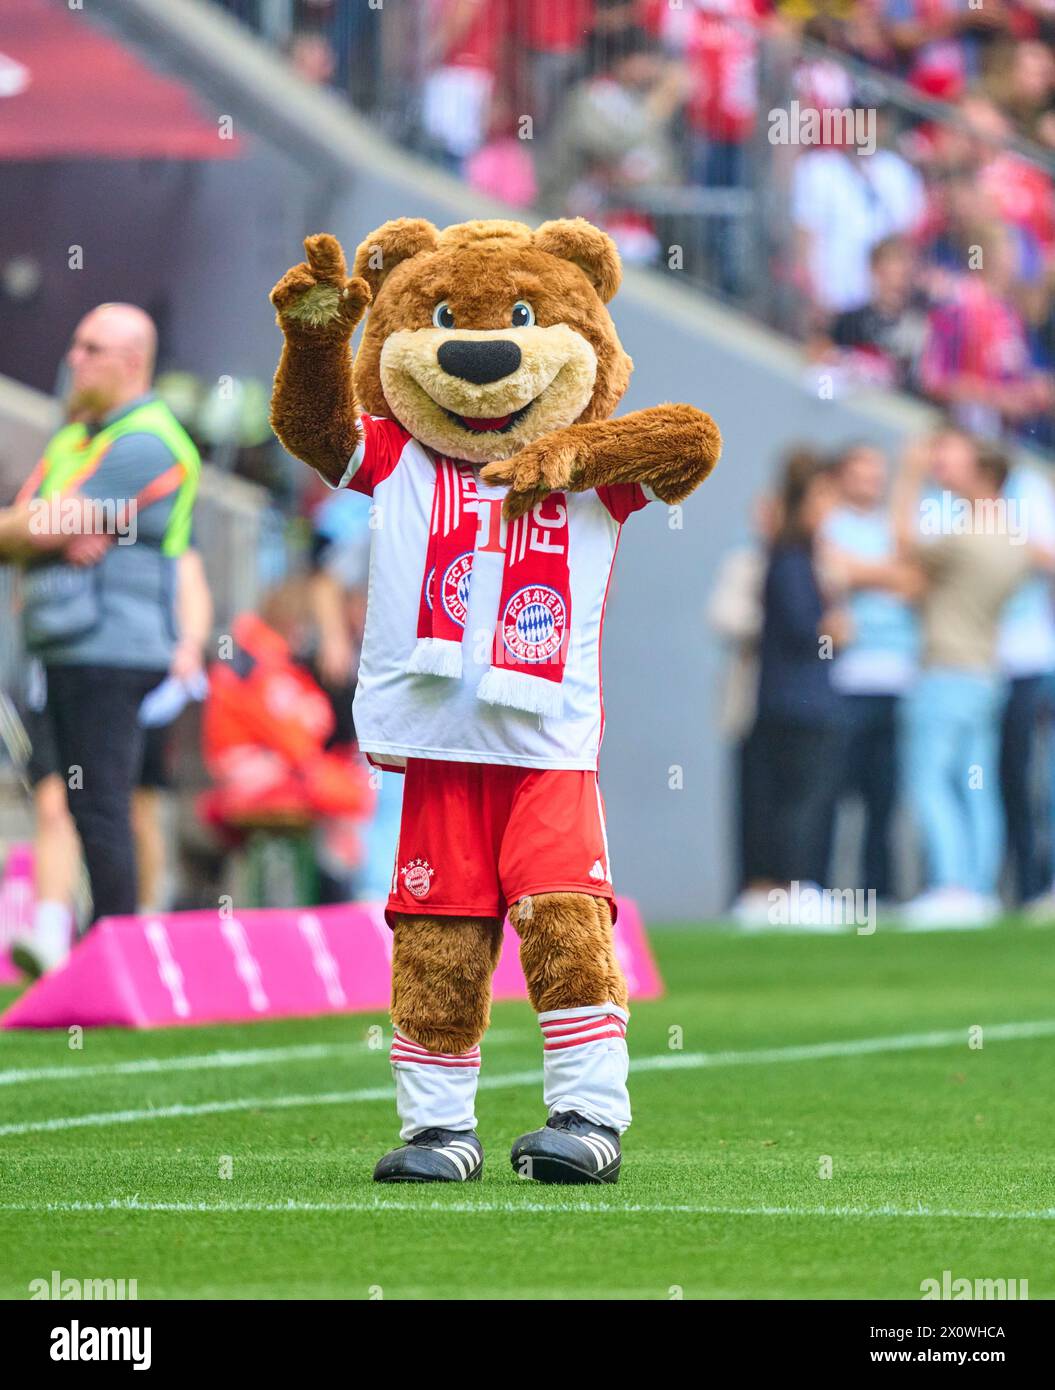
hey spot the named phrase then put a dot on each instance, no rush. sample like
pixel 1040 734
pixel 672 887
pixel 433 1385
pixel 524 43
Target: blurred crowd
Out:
pixel 893 644
pixel 893 640
pixel 927 263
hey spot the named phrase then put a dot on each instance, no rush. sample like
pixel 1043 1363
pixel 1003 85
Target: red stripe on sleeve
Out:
pixel 383 444
pixel 622 499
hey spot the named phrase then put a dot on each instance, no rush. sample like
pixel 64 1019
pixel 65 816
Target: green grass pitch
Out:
pixel 793 1052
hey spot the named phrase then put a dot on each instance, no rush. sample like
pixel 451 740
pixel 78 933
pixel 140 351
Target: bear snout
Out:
pixel 479 362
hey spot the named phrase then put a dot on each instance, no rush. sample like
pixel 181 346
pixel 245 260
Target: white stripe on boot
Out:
pixel 434 1090
pixel 585 1063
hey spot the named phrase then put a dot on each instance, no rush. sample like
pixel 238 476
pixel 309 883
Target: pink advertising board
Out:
pixel 202 967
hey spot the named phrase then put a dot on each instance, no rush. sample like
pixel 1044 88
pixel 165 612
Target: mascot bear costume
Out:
pixel 476 416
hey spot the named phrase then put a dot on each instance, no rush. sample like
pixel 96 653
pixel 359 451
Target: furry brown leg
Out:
pixel 441 979
pixel 567 951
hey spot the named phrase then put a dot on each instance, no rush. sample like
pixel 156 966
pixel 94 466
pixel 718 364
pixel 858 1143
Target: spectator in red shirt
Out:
pixel 718 42
pixel 1019 191
pixel 468 41
pixel 977 357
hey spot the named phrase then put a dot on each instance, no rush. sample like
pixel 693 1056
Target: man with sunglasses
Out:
pixel 98 528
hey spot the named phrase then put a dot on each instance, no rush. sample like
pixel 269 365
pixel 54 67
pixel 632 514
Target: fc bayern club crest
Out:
pixel 417 877
pixel 534 623
pixel 455 594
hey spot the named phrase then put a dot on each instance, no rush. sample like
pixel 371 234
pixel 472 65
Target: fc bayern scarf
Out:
pixel 530 644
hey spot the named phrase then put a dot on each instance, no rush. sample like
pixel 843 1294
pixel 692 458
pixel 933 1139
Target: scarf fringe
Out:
pixel 436 656
pixel 520 690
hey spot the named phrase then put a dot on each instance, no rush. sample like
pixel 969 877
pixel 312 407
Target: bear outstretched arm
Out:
pixel 313 408
pixel 668 448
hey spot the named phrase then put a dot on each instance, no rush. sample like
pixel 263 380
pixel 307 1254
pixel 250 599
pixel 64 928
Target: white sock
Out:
pixel 434 1090
pixel 52 930
pixel 585 1063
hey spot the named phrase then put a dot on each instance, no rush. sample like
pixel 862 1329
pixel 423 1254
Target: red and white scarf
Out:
pixel 531 638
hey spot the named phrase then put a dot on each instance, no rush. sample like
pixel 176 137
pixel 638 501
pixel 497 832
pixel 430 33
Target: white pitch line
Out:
pixel 204 1061
pixel 180 1111
pixel 207 1061
pixel 854 1047
pixel 663 1062
pixel 510 1205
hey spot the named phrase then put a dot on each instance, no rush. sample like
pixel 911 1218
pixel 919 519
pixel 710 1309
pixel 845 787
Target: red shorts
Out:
pixel 476 837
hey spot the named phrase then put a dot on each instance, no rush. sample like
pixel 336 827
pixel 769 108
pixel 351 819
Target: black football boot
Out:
pixel 568 1148
pixel 434 1155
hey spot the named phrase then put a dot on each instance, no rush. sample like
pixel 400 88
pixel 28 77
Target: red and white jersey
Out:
pixel 721 50
pixel 400 715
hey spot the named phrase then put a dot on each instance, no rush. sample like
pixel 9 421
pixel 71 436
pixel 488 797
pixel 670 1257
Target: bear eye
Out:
pixel 442 315
pixel 523 314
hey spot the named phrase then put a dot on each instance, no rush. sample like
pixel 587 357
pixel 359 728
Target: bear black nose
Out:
pixel 480 362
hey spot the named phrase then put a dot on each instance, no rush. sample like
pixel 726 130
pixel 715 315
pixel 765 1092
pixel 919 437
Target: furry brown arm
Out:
pixel 668 448
pixel 313 409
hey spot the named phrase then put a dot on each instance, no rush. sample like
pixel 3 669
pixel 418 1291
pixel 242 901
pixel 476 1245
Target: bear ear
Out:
pixel 396 241
pixel 593 251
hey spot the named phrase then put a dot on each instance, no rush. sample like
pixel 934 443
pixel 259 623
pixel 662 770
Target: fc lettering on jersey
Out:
pixel 492 532
pixel 538 534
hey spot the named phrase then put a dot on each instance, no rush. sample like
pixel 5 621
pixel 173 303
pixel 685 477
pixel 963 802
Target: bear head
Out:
pixel 485 336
